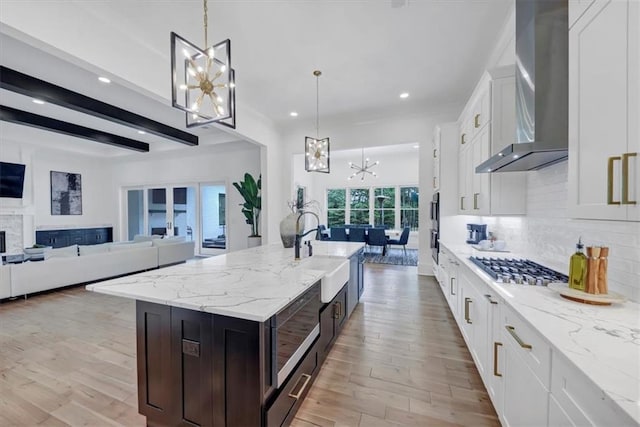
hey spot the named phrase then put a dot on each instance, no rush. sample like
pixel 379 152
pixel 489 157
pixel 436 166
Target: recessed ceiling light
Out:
pixel 416 146
pixel 293 114
pixel 104 79
pixel 404 95
pixel 141 132
pixel 38 101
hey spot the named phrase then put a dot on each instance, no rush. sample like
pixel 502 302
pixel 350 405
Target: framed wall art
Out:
pixel 66 193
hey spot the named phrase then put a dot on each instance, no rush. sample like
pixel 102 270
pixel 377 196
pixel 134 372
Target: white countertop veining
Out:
pixel 252 284
pixel 601 341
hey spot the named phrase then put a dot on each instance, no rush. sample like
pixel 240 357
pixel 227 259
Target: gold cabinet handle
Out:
pixel 495 358
pixel 434 182
pixel 461 203
pixel 610 200
pixel 475 200
pixel 476 121
pixel 337 311
pixel 462 140
pixel 490 300
pixel 625 179
pixel 434 153
pixel 307 378
pixel 515 336
pixel 451 285
pixel 467 301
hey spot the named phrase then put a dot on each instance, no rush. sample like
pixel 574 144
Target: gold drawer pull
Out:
pixel 515 336
pixel 307 378
pixel 475 200
pixel 476 121
pixel 467 301
pixel 610 200
pixel 462 140
pixel 337 311
pixel 452 279
pixel 461 203
pixel 625 179
pixel 495 358
pixel 490 300
pixel 434 153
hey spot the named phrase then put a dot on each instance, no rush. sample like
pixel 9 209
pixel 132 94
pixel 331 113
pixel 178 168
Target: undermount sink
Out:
pixel 337 275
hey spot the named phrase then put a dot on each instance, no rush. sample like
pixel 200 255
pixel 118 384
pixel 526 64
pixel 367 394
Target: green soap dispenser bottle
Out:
pixel 578 268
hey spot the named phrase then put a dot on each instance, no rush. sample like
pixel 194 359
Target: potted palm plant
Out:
pixel 250 191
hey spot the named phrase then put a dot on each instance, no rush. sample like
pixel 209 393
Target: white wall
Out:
pixel 98 196
pixel 222 163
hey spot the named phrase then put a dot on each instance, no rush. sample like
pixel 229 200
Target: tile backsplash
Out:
pixel 548 236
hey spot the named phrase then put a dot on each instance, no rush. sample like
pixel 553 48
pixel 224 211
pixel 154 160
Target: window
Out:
pixel 384 207
pixel 409 207
pixel 359 206
pixel 336 207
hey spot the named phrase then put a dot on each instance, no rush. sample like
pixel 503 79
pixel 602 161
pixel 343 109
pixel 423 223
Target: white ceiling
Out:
pixel 369 51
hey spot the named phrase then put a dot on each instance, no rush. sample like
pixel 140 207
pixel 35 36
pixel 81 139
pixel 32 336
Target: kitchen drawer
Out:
pixel 294 390
pixel 533 349
pixel 582 402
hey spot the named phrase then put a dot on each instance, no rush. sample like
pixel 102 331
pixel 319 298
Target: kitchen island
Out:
pixel 210 332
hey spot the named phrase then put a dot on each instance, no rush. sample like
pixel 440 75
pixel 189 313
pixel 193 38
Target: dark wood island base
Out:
pixel 202 369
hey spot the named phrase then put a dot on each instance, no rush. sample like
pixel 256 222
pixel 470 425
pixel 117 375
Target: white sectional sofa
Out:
pixel 74 265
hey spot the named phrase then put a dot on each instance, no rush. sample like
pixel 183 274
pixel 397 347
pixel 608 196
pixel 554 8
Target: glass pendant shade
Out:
pixel 203 83
pixel 316 154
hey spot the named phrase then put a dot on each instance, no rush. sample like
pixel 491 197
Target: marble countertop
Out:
pixel 252 284
pixel 601 341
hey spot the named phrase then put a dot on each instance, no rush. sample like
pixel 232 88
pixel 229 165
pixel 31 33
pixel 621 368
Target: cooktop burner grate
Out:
pixel 520 271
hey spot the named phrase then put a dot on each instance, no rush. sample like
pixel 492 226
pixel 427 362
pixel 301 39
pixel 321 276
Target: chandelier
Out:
pixel 364 168
pixel 203 82
pixel 316 150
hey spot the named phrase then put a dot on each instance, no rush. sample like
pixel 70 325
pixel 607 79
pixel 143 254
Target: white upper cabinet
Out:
pixel 487 125
pixel 604 118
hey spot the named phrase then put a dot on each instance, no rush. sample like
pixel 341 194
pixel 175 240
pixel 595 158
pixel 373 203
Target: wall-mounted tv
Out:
pixel 11 180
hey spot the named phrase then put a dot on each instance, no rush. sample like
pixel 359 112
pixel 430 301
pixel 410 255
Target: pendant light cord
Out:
pixel 317 106
pixel 205 24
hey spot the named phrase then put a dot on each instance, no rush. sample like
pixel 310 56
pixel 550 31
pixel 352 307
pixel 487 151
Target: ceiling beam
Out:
pixel 16 81
pixel 12 115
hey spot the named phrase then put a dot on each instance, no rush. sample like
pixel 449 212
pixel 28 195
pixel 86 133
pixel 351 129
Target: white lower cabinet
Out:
pixel 529 382
pixel 525 397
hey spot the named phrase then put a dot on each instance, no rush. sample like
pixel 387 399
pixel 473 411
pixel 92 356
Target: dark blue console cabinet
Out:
pixel 80 236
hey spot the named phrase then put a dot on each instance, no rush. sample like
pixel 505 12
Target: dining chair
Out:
pixel 402 241
pixel 356 234
pixel 339 234
pixel 378 238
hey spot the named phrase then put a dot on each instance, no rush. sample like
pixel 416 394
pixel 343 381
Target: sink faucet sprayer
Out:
pixel 300 236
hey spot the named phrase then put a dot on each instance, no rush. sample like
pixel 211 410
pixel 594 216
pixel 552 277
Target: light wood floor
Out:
pixel 68 358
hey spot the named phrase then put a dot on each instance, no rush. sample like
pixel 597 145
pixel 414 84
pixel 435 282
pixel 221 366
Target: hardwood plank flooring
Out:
pixel 399 361
pixel 68 358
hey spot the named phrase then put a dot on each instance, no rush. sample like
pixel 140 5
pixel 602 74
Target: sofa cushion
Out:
pixel 169 240
pixel 67 251
pixel 145 238
pixel 94 249
pixel 127 246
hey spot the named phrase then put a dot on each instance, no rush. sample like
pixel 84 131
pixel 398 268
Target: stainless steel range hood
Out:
pixel 542 39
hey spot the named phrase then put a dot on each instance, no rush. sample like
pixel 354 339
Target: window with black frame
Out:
pixel 409 203
pixel 336 207
pixel 384 213
pixel 359 204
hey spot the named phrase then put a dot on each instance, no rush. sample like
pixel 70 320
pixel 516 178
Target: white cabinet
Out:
pixel 576 9
pixel 445 156
pixel 604 98
pixel 487 125
pixel 436 158
pixel 525 397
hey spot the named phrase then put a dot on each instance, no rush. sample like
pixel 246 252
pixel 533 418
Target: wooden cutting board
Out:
pixel 593 299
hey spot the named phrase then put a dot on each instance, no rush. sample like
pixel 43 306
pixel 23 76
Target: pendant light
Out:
pixel 316 150
pixel 203 82
pixel 364 168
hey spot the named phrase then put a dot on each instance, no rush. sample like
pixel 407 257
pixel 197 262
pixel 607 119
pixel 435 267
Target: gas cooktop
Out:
pixel 519 271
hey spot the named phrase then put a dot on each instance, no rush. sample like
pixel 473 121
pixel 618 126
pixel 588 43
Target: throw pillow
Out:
pixel 68 251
